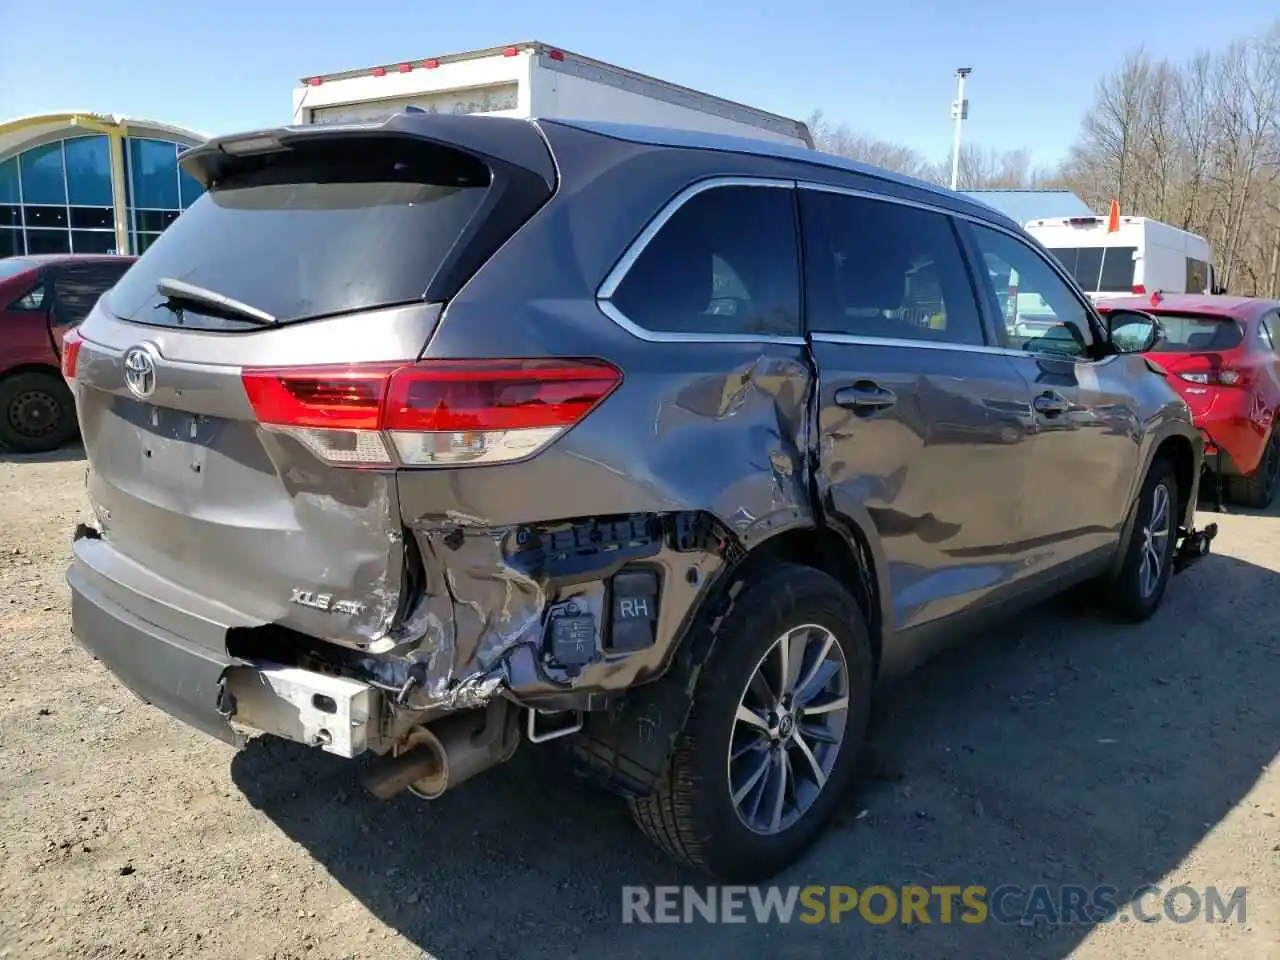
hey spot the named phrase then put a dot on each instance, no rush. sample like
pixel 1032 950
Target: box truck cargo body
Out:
pixel 531 80
pixel 1143 256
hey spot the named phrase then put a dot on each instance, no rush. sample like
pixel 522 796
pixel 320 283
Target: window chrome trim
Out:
pixel 1057 268
pixel 854 340
pixel 609 287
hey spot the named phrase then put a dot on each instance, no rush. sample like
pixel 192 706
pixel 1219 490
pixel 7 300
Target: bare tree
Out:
pixel 842 141
pixel 1194 143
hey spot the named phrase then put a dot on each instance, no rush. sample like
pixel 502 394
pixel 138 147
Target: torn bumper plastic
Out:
pixel 552 616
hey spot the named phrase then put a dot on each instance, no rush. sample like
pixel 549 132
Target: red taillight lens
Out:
pixel 434 413
pixel 71 342
pixel 496 394
pixel 341 396
pixel 1211 370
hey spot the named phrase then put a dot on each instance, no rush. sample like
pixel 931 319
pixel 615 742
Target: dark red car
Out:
pixel 41 298
pixel 1220 354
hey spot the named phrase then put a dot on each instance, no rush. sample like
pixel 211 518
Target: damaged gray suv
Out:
pixel 423 437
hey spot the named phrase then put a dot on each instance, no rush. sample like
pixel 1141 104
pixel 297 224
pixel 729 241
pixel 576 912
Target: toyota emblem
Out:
pixel 140 370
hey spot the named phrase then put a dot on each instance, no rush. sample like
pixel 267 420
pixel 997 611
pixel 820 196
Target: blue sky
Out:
pixel 884 68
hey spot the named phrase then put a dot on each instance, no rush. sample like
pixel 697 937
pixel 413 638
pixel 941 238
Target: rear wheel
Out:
pixel 37 412
pixel 1148 562
pixel 1258 489
pixel 773 739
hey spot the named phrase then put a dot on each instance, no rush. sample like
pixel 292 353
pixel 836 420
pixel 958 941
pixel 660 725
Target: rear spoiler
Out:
pixel 506 141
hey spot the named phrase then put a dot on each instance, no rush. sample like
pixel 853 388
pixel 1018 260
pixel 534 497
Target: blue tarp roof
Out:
pixel 1024 205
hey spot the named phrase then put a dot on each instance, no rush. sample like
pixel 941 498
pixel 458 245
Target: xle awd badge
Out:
pixel 325 602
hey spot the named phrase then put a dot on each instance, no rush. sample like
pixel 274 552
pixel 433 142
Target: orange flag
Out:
pixel 1113 219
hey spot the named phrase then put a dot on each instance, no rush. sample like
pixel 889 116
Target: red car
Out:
pixel 1220 354
pixel 41 298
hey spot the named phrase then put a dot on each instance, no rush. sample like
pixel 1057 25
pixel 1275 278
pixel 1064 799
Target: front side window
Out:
pixel 1040 311
pixel 725 263
pixel 875 268
pixel 32 301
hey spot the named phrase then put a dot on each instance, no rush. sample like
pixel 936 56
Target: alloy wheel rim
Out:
pixel 788 729
pixel 34 413
pixel 1155 541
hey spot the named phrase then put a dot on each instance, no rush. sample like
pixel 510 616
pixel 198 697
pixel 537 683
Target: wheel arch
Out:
pixel 837 545
pixel 1179 449
pixel 31 367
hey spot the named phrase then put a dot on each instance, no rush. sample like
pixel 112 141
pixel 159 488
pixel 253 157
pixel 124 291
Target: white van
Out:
pixel 1143 256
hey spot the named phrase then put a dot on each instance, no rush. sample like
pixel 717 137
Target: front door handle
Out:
pixel 865 398
pixel 1051 404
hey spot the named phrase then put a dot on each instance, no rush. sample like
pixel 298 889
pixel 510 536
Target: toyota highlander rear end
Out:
pixel 353 426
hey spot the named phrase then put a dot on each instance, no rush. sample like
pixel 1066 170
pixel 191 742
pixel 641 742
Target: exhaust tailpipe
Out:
pixel 449 752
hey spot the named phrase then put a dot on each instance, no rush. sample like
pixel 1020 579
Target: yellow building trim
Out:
pixel 119 195
pixel 89 120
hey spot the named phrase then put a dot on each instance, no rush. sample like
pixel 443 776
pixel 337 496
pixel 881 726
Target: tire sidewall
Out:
pixel 787 597
pixel 1161 472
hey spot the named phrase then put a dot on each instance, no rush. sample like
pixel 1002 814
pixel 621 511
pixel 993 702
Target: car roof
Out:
pixel 698 140
pixel 1218 305
pixel 472 131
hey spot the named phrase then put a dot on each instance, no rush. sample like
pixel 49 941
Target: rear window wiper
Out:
pixel 178 293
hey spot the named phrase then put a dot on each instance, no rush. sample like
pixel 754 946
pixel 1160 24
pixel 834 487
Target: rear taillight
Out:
pixel 70 353
pixel 437 413
pixel 1210 370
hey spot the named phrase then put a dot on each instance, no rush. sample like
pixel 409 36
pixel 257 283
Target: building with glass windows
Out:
pixel 88 183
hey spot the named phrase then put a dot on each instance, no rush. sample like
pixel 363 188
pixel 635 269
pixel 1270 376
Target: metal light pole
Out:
pixel 959 113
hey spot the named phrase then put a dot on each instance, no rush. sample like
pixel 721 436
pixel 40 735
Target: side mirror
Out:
pixel 1133 331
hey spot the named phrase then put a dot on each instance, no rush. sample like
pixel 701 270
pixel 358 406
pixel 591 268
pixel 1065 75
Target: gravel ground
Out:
pixel 1064 750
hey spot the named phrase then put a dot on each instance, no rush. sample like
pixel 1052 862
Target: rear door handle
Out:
pixel 865 398
pixel 1051 404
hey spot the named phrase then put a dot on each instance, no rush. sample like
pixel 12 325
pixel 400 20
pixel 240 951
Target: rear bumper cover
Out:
pixel 177 666
pixel 182 678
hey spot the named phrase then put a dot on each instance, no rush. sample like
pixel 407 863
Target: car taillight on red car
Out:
pixel 70 353
pixel 1210 370
pixel 435 413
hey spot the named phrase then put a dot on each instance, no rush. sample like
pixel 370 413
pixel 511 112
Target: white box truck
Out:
pixel 531 80
pixel 1143 256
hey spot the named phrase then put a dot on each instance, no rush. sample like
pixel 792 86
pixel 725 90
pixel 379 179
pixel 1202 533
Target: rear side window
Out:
pixel 1189 333
pixel 881 269
pixel 1197 276
pixel 1097 271
pixel 1264 331
pixel 320 230
pixel 77 287
pixel 726 262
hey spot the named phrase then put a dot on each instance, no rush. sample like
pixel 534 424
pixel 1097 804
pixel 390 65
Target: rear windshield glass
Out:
pixel 1187 333
pixel 316 233
pixel 1096 273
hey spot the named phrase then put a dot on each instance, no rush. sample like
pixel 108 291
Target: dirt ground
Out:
pixel 1063 750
